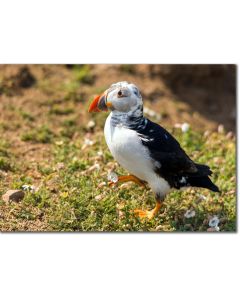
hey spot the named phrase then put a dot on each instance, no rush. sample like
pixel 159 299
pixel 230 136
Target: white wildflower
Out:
pixel 185 127
pixel 100 153
pixel 29 188
pixel 214 221
pixel 91 124
pixel 112 177
pixel 190 213
pixel 88 142
pixel 149 112
pixel 220 128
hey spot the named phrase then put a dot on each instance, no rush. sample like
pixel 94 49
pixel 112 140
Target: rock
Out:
pixel 3 174
pixel 99 197
pixel 13 195
pixel 102 184
pixel 230 135
pixel 60 166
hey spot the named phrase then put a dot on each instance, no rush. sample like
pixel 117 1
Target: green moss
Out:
pixel 128 68
pixel 83 74
pixel 58 109
pixel 41 134
pixel 5 164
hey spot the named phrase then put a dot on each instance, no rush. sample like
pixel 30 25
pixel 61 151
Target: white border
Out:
pixel 119 266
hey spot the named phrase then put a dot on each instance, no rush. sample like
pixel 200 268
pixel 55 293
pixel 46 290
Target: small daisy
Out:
pixel 214 221
pixel 190 213
pixel 149 112
pixel 88 142
pixel 91 124
pixel 29 188
pixel 100 153
pixel 112 177
pixel 185 127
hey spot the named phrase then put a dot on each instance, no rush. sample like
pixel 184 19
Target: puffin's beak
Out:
pixel 99 104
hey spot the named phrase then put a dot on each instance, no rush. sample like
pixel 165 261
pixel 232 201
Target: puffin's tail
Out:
pixel 204 182
pixel 201 178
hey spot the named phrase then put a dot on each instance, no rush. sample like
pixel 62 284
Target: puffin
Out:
pixel 150 154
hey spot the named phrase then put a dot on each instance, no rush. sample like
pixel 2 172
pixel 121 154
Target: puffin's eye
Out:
pixel 136 92
pixel 120 93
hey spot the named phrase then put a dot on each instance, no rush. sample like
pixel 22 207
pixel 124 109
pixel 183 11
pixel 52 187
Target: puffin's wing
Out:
pixel 165 150
pixel 170 160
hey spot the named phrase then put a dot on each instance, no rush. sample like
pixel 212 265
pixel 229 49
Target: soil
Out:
pixel 202 95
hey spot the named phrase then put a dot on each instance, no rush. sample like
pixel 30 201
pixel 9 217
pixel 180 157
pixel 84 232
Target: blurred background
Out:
pixel 201 95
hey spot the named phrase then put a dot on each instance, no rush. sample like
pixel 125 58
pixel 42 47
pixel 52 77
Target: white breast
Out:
pixel 127 148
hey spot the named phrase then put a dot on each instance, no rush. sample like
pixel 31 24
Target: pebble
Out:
pixel 101 184
pixel 13 195
pixel 2 173
pixel 94 167
pixel 213 229
pixel 229 135
pixel 206 133
pixel 99 197
pixel 60 166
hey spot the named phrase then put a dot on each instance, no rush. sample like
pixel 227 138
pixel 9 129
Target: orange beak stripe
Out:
pixel 109 104
pixel 93 106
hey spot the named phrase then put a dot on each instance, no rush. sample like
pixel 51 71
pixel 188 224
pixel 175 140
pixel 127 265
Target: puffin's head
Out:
pixel 121 97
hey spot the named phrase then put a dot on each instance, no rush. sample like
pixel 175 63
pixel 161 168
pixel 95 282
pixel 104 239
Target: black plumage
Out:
pixel 171 161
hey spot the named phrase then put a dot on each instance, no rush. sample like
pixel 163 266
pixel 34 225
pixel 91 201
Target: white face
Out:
pixel 123 96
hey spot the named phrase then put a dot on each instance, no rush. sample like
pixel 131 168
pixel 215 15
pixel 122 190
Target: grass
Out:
pixel 70 198
pixel 83 74
pixel 69 164
pixel 41 134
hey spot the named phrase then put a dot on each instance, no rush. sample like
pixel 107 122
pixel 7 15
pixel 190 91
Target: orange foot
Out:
pixel 128 178
pixel 148 213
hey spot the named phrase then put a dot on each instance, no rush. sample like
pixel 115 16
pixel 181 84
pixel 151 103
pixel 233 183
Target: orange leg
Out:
pixel 127 178
pixel 148 213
